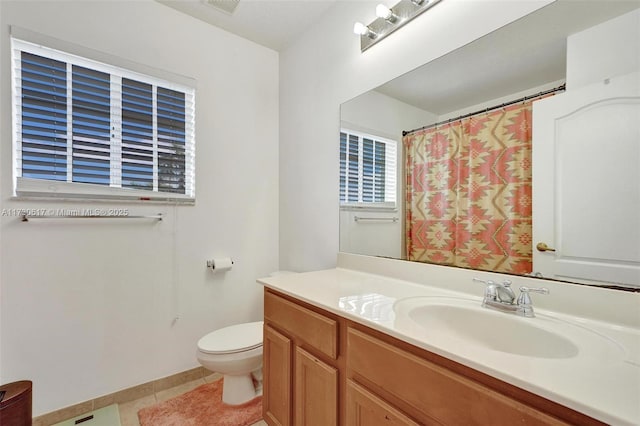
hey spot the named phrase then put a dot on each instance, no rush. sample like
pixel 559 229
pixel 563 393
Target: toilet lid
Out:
pixel 232 339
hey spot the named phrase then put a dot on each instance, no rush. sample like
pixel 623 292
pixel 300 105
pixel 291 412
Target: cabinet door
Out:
pixel 276 401
pixel 316 391
pixel 366 409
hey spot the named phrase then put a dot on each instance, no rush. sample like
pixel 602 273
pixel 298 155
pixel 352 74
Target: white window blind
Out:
pixel 368 168
pixel 86 129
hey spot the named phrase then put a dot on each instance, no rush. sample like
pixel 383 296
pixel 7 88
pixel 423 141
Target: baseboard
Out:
pixel 120 397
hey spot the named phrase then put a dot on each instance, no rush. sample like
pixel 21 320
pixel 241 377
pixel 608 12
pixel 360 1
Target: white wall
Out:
pixel 87 308
pixel 325 68
pixel 608 50
pixel 379 115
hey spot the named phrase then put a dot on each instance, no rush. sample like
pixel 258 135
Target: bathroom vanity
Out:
pixel 351 348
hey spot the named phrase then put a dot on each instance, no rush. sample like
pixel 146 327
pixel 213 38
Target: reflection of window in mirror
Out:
pixel 367 170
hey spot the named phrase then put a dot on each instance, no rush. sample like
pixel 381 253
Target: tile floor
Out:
pixel 129 410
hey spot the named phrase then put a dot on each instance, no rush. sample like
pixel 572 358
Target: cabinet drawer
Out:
pixel 364 409
pixel 429 388
pixel 313 328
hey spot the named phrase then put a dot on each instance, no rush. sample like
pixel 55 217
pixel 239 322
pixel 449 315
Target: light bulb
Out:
pixel 360 29
pixel 384 12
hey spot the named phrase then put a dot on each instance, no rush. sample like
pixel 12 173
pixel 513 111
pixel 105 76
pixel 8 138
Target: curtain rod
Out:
pixel 471 114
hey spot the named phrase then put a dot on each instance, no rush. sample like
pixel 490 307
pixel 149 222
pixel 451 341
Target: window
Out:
pixel 367 170
pixel 86 129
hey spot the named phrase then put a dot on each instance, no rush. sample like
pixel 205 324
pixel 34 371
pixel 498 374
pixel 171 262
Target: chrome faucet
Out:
pixel 501 297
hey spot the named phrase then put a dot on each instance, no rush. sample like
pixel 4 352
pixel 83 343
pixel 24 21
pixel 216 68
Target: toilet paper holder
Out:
pixel 226 262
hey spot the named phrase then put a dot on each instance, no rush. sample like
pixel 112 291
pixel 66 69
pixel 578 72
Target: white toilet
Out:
pixel 236 353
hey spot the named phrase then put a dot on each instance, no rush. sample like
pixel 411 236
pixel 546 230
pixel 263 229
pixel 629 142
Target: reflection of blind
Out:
pixel 367 169
pixel 373 170
pixel 353 176
pixel 343 166
pixel 82 121
pixel 379 171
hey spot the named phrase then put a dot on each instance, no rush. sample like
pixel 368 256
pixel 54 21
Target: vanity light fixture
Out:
pixel 389 20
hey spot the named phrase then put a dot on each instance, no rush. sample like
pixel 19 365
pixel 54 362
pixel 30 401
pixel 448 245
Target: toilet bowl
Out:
pixel 236 353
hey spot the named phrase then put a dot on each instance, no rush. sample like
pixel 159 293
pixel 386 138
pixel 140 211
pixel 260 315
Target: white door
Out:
pixel 586 183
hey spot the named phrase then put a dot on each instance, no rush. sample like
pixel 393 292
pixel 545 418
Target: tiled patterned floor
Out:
pixel 129 410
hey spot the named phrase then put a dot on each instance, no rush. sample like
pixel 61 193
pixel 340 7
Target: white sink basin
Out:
pixel 451 321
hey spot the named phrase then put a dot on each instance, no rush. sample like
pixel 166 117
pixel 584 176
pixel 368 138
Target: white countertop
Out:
pixel 602 382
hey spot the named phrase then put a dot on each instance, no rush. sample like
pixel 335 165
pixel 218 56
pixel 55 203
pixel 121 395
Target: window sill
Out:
pixel 41 190
pixel 121 200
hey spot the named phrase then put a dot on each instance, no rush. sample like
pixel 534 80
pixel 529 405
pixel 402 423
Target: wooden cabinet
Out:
pixel 432 393
pixel 301 372
pixel 322 369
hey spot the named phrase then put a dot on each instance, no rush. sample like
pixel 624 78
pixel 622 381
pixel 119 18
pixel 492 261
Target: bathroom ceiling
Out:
pixel 271 23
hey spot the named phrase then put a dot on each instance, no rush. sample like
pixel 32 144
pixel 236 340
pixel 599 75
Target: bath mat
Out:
pixel 201 407
pixel 107 416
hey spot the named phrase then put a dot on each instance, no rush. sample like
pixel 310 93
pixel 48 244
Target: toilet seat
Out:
pixel 232 339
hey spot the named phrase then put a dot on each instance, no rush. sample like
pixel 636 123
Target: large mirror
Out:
pixel 577 203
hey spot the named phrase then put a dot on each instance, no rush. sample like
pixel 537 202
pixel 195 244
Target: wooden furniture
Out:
pixel 15 403
pixel 300 364
pixel 323 369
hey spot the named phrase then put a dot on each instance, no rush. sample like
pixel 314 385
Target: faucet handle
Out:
pixel 507 283
pixel 524 300
pixel 541 290
pixel 486 282
pixel 490 292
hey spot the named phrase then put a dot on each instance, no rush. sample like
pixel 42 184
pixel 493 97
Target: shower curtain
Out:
pixel 468 192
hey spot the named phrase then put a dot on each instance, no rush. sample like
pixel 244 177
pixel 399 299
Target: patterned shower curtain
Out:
pixel 468 192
